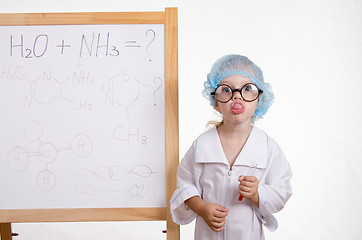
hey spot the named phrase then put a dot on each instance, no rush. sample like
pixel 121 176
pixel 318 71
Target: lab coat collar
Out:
pixel 255 150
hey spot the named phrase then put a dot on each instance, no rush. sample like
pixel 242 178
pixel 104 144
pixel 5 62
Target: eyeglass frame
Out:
pixel 260 91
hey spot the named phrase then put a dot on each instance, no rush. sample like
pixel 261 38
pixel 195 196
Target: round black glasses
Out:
pixel 249 92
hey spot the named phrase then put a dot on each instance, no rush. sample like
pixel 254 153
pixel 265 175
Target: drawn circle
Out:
pixel 46 180
pixel 81 145
pixel 90 190
pixel 33 131
pixel 18 159
pixel 47 153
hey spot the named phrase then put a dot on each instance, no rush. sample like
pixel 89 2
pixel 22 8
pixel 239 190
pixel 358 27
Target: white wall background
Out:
pixel 311 53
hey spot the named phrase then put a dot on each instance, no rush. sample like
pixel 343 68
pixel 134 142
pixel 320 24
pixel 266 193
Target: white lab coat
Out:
pixel 204 171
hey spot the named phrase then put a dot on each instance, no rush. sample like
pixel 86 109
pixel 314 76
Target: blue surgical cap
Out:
pixel 237 64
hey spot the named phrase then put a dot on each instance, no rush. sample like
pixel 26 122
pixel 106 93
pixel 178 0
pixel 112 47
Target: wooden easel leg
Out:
pixel 173 231
pixel 5 231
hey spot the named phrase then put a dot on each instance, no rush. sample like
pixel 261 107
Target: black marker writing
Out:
pixel 40 46
pixel 21 45
pixel 63 46
pixel 101 47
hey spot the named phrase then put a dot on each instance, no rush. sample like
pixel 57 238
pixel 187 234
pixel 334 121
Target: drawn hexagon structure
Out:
pixel 46 91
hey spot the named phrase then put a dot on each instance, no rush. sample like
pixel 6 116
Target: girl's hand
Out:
pixel 248 188
pixel 214 216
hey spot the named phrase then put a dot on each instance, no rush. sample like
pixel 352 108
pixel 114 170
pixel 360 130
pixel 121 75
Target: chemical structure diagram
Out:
pixel 18 158
pixel 81 146
pixel 82 91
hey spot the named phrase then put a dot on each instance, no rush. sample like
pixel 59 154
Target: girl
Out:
pixel 215 182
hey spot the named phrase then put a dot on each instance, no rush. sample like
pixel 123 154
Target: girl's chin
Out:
pixel 238 119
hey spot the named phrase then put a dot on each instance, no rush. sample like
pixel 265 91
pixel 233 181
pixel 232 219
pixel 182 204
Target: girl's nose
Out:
pixel 237 95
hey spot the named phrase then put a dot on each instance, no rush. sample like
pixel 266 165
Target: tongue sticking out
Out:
pixel 237 108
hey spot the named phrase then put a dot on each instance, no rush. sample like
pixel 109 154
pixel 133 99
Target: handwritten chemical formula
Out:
pixel 88 45
pixel 83 115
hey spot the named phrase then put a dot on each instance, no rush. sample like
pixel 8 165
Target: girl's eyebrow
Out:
pixel 231 85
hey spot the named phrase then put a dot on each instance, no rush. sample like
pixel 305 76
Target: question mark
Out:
pixel 153 38
pixel 154 81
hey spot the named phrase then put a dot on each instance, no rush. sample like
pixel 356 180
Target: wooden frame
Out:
pixel 169 18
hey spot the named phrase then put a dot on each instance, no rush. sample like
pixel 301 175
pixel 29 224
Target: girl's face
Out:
pixel 236 111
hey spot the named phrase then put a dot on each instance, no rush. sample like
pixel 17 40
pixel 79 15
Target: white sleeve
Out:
pixel 275 192
pixel 186 188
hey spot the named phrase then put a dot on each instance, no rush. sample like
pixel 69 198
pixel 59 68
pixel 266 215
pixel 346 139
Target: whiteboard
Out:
pixel 82 116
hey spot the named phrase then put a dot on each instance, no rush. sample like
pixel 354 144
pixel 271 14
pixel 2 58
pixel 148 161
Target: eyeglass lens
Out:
pixel 249 92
